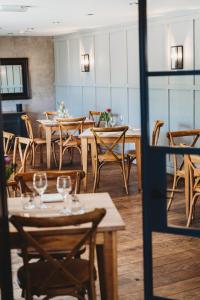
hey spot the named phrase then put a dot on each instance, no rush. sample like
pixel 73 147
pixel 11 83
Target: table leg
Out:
pixel 139 162
pixel 92 156
pixel 84 154
pixel 107 266
pixel 48 145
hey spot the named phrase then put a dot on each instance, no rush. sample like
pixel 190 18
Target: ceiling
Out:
pixel 54 17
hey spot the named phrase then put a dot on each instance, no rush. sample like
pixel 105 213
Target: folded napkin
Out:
pixel 52 198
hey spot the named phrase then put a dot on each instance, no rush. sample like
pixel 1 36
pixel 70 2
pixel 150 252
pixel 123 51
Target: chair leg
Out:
pixel 124 177
pixel 54 154
pixel 91 292
pixel 172 193
pixel 95 178
pixel 60 160
pixel 41 154
pixel 129 162
pixel 33 156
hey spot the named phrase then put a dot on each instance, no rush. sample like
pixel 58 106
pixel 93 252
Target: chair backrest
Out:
pixel 28 125
pixel 101 137
pixel 95 116
pixel 8 139
pixel 46 240
pixel 76 177
pixel 156 132
pixel 22 147
pixel 173 136
pixel 50 114
pixel 70 127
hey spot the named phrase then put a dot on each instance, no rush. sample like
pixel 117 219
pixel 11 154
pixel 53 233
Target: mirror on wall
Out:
pixel 14 78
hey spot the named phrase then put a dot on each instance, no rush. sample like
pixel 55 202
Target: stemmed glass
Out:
pixel 113 121
pixel 121 119
pixel 64 187
pixel 40 185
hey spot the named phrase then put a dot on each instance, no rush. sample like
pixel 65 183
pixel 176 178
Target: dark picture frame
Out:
pixel 25 94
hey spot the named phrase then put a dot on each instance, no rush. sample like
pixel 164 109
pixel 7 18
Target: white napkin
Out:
pixel 52 198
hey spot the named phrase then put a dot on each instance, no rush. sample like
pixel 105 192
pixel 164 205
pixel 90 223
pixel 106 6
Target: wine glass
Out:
pixel 64 187
pixel 40 185
pixel 112 121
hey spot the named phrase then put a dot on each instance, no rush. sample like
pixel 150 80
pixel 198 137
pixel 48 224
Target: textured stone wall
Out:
pixel 40 53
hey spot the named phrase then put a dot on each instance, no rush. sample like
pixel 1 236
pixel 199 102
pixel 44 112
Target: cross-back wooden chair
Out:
pixel 101 138
pixel 69 130
pixel 22 150
pixel 8 141
pixel 194 183
pixel 179 172
pixel 53 277
pixel 76 178
pixel 95 116
pixel 36 141
pixel 131 155
pixel 50 114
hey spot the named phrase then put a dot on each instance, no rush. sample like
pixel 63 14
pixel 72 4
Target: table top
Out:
pixel 50 123
pixel 111 222
pixel 130 133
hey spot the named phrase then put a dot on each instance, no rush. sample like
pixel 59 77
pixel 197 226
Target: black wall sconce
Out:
pixel 176 57
pixel 85 63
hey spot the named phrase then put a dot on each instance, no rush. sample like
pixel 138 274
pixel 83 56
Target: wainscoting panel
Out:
pixel 89 102
pixel 74 62
pixel 74 101
pixel 103 98
pixel 120 103
pixel 133 57
pixel 87 47
pixel 134 108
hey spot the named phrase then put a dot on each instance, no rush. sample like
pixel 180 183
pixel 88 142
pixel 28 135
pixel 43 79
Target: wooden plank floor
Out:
pixel 176 258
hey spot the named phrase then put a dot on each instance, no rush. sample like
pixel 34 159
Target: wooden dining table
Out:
pixel 51 126
pixel 133 136
pixel 106 239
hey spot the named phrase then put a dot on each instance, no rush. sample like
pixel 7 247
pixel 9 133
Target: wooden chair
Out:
pixel 69 130
pixel 76 177
pixel 22 150
pixel 36 142
pixel 96 117
pixel 54 277
pixel 8 141
pixel 50 114
pixel 109 156
pixel 131 156
pixel 194 183
pixel 179 172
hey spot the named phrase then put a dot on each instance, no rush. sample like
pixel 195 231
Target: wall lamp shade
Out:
pixel 85 63
pixel 176 57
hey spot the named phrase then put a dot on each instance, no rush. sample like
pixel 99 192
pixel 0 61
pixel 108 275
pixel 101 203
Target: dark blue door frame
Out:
pixel 154 158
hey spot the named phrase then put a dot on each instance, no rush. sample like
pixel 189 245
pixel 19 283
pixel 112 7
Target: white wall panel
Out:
pixel 61 62
pixel 197 49
pixel 103 98
pixel 133 56
pixel 158 110
pixel 75 101
pixel 118 58
pixel 74 62
pixel 134 108
pixel 157 52
pixel 61 95
pixel 181 110
pixel 120 102
pixel 87 47
pixel 102 59
pixel 181 33
pixel 89 102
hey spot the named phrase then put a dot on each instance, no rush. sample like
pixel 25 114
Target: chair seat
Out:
pixel 73 143
pixel 39 141
pixel 109 157
pixel 39 271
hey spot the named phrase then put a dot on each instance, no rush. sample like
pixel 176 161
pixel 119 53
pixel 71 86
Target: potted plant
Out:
pixel 106 116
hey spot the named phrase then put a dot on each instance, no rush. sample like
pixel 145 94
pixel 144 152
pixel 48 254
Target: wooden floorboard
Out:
pixel 176 259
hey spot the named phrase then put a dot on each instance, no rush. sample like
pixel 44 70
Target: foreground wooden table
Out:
pixel 51 126
pixel 133 136
pixel 106 236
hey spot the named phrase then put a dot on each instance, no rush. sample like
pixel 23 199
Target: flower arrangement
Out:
pixel 62 111
pixel 9 167
pixel 106 116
